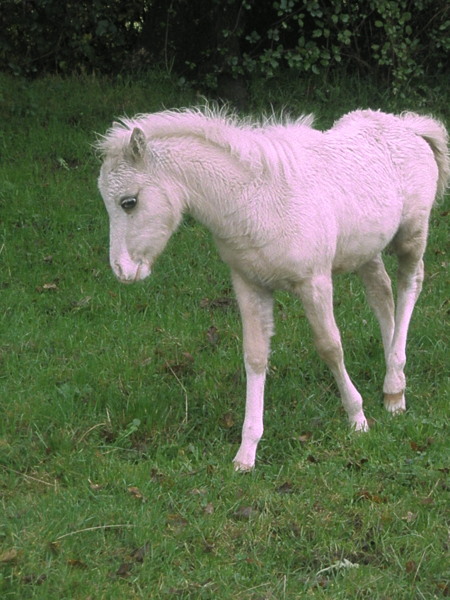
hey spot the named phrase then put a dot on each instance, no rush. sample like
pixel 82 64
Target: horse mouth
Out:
pixel 139 272
pixel 142 272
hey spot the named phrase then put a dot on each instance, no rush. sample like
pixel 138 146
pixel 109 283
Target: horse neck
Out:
pixel 214 180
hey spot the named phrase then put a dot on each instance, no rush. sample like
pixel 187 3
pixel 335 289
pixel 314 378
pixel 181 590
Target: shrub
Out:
pixel 206 41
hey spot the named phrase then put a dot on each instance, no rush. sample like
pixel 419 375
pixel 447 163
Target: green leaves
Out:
pixel 232 39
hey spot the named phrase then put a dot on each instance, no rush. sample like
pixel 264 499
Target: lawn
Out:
pixel 122 405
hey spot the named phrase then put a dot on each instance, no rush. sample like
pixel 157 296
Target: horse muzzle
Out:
pixel 131 272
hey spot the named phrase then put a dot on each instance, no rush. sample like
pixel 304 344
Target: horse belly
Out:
pixel 362 245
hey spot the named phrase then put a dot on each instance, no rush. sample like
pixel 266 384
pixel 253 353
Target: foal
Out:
pixel 288 206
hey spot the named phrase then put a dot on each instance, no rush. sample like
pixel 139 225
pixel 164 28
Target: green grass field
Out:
pixel 121 406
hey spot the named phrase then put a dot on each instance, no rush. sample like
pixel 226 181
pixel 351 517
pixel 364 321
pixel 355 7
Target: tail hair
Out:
pixel 435 134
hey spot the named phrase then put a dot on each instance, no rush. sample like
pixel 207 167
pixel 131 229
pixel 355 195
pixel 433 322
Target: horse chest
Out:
pixel 268 265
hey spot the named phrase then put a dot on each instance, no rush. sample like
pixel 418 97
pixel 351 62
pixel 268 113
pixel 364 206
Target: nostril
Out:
pixel 118 269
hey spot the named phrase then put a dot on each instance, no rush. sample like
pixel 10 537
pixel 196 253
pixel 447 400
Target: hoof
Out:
pixel 361 427
pixel 395 403
pixel 359 423
pixel 239 466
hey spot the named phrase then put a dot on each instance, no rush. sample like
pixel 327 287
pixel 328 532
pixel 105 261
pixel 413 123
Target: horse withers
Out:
pixel 288 207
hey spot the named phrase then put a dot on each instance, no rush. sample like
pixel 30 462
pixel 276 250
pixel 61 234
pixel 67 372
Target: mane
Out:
pixel 251 141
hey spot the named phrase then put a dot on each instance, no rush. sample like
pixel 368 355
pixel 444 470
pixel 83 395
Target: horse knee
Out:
pixel 256 362
pixel 330 350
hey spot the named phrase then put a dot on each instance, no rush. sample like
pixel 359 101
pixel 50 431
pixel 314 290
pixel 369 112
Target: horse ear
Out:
pixel 138 144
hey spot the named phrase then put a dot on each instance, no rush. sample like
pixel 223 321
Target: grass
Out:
pixel 122 406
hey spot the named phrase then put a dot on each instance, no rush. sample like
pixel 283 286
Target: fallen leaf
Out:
pixel 136 493
pixel 54 547
pixel 9 556
pixel 46 287
pixel 95 487
pixel 176 522
pixel 75 562
pixel 198 492
pixel 286 488
pixel 421 447
pixel 410 566
pixel 81 303
pixel 227 420
pixel 409 517
pixel 138 555
pixel 124 570
pixel 208 547
pixel 341 564
pixel 179 367
pixel 209 509
pixel 366 495
pixel 212 335
pixel 221 302
pixel 322 582
pixel 34 579
pixel 244 513
pixel 444 588
pixel 312 459
pixel 426 501
pixel 156 476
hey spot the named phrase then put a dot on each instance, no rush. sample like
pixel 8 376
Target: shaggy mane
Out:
pixel 214 125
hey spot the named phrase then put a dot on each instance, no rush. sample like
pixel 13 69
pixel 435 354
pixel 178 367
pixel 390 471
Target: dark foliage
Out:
pixel 220 43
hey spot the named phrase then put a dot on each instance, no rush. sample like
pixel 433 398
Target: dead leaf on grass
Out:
pixel 212 335
pixel 223 302
pixel 80 304
pixel 227 420
pixel 245 513
pixel 357 464
pixel 47 287
pixel 411 566
pixel 156 476
pixel 33 579
pixel 176 523
pixel 312 459
pixel 54 547
pixel 426 501
pixel 136 493
pixel 209 509
pixel 139 554
pixel 124 569
pixel 286 488
pixel 410 517
pixel 95 487
pixel 9 555
pixel 366 495
pixel 180 366
pixel 198 492
pixel 421 447
pixel 444 588
pixel 77 563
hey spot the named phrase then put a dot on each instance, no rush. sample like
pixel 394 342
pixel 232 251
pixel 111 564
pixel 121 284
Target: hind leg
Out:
pixel 409 246
pixel 379 296
pixel 317 297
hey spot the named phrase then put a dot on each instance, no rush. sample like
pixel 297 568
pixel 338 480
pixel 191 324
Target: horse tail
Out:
pixel 435 134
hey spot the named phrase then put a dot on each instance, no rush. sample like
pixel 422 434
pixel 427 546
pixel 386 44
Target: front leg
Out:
pixel 256 307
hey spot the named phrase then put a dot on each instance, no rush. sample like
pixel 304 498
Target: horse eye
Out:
pixel 128 203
